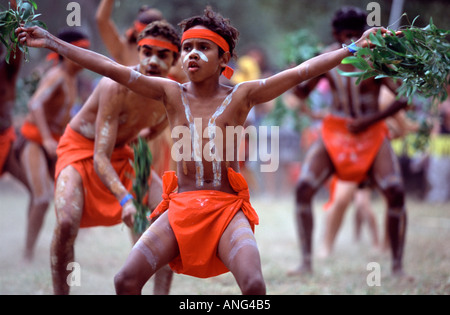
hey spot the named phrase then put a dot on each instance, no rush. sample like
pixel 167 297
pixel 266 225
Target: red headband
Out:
pixel 215 38
pixel 158 43
pixel 83 43
pixel 139 26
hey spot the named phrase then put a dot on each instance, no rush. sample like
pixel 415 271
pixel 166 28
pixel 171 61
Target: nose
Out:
pixel 153 61
pixel 194 54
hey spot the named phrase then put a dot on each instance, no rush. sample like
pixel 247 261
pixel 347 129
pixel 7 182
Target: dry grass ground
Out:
pixel 102 251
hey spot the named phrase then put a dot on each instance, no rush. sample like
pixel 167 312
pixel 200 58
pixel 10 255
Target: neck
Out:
pixel 205 88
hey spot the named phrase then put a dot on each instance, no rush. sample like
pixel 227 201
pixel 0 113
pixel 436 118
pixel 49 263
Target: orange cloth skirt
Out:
pixel 101 208
pixel 352 154
pixel 199 218
pixel 31 132
pixel 7 138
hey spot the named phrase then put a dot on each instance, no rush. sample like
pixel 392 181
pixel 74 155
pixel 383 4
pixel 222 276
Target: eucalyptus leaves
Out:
pixel 11 19
pixel 419 57
pixel 142 169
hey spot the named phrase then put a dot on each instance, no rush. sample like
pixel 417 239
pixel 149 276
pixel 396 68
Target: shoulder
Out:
pixel 110 88
pixel 54 74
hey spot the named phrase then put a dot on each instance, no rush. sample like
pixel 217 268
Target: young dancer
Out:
pixel 49 114
pixel 94 168
pixel 354 145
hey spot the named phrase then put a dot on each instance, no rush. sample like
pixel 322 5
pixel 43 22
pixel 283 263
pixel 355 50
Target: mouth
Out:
pixel 193 66
pixel 153 73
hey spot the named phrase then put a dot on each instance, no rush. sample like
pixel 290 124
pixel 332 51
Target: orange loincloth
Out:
pixel 199 218
pixel 7 138
pixel 352 154
pixel 101 207
pixel 32 133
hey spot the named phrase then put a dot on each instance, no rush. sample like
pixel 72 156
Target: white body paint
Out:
pixel 196 139
pixel 134 75
pixel 199 53
pixel 155 60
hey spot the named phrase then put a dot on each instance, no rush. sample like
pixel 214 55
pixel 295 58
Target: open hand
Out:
pixel 33 37
pixel 364 41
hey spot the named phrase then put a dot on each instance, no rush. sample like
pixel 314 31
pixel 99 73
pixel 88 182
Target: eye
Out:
pixel 163 55
pixel 187 47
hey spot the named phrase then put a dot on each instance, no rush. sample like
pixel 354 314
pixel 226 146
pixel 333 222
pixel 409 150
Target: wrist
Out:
pixel 352 48
pixel 125 199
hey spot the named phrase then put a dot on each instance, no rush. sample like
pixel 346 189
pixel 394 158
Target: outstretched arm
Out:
pixel 147 86
pixel 285 80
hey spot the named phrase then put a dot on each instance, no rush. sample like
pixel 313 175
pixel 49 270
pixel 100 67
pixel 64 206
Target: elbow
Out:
pixel 401 103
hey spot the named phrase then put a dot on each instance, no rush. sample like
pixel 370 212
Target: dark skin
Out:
pixel 8 77
pixel 385 170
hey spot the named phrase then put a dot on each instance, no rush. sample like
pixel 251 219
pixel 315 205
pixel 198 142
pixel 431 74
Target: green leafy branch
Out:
pixel 11 19
pixel 142 168
pixel 419 57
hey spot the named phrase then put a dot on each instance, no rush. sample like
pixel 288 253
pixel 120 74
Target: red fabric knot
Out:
pixel 170 183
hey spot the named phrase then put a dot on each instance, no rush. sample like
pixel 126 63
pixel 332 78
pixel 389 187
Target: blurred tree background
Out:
pixel 262 23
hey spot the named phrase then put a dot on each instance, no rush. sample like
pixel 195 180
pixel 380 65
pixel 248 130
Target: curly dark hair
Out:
pixel 216 23
pixel 164 29
pixel 349 18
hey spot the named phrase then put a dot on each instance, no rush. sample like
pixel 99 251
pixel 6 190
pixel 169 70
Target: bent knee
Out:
pixel 124 284
pixel 254 285
pixel 395 195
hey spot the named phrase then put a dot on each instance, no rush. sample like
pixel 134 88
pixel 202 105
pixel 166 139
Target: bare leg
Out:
pixel 13 166
pixel 316 170
pixel 155 249
pixel 387 175
pixel 164 276
pixel 239 252
pixel 69 202
pixel 364 213
pixel 343 196
pixel 35 166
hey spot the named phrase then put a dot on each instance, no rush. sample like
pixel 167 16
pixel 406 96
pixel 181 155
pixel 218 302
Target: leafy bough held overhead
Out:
pixel 11 19
pixel 419 57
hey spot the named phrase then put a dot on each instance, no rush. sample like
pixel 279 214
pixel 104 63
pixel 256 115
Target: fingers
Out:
pixel 128 214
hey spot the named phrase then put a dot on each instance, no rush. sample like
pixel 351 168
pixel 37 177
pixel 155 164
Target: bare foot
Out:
pixel 323 253
pixel 303 270
pixel 401 276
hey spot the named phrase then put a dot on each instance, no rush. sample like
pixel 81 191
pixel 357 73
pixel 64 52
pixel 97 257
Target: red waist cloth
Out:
pixel 32 133
pixel 101 207
pixel 7 138
pixel 352 154
pixel 199 218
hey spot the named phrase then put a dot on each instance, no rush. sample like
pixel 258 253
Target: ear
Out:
pixel 225 59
